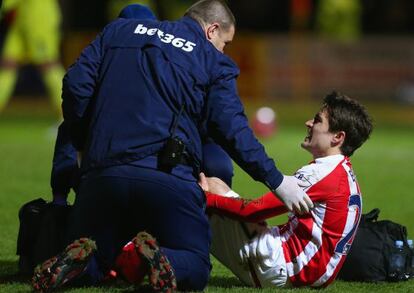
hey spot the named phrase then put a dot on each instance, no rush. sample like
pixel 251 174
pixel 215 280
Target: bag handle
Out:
pixel 372 216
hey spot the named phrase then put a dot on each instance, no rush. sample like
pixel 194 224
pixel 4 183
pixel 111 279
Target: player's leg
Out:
pixel 52 74
pixel 253 252
pixel 43 44
pixel 12 53
pixel 229 238
pixel 8 77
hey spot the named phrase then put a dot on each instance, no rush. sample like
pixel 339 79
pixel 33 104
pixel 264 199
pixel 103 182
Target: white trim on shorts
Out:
pixel 235 248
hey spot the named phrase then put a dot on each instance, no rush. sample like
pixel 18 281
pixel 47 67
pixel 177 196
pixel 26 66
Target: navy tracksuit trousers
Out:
pixel 113 209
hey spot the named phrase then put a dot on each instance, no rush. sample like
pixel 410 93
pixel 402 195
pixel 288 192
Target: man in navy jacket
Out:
pixel 65 170
pixel 134 103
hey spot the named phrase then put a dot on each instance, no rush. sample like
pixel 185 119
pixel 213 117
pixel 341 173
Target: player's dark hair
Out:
pixel 346 114
pixel 210 11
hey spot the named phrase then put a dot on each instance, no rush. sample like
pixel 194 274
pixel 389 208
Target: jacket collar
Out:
pixel 194 25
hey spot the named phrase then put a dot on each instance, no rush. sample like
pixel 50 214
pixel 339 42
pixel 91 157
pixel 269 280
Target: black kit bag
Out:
pixel 369 257
pixel 42 232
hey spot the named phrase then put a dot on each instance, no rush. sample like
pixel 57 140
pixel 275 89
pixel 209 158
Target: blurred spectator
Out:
pixel 388 17
pixel 115 6
pixel 263 15
pixel 174 9
pixel 339 19
pixel 164 9
pixel 301 12
pixel 33 36
pixel 375 16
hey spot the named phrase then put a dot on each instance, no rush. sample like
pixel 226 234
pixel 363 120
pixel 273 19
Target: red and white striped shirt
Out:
pixel 314 245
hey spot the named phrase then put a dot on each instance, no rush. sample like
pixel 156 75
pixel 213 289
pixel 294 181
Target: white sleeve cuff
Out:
pixel 231 193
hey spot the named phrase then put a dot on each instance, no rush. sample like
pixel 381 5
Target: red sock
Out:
pixel 130 265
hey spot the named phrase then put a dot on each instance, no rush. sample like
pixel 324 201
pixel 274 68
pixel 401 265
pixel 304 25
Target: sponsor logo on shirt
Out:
pixel 305 180
pixel 180 43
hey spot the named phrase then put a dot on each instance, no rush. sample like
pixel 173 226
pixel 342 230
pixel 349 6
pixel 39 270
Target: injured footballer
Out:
pixel 309 249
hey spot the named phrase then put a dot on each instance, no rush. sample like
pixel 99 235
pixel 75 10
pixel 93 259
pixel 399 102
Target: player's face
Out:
pixel 319 140
pixel 219 37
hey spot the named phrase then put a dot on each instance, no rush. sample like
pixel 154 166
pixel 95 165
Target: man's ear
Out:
pixel 339 138
pixel 212 30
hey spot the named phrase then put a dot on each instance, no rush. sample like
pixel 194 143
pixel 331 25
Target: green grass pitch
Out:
pixel 383 167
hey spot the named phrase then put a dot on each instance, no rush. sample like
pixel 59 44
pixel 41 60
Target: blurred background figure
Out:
pixel 300 14
pixel 163 9
pixel 115 6
pixel 33 36
pixel 339 19
pixel 173 9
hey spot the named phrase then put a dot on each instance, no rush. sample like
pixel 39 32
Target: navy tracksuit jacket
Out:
pixel 121 97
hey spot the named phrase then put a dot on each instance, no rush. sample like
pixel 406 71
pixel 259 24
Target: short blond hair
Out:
pixel 209 11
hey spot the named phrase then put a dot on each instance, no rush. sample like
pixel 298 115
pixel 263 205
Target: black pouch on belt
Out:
pixel 172 154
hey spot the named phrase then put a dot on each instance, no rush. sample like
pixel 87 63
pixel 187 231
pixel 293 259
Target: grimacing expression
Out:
pixel 319 138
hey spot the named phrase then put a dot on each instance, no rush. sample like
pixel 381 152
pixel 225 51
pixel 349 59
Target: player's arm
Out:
pixel 245 210
pixel 256 210
pixel 222 200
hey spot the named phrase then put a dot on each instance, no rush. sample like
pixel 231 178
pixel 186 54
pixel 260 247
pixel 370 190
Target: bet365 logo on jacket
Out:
pixel 181 43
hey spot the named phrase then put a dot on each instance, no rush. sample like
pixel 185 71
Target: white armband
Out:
pixel 231 193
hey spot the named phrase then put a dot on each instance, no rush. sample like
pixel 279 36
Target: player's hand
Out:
pixel 217 186
pixel 213 185
pixel 294 198
pixel 202 181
